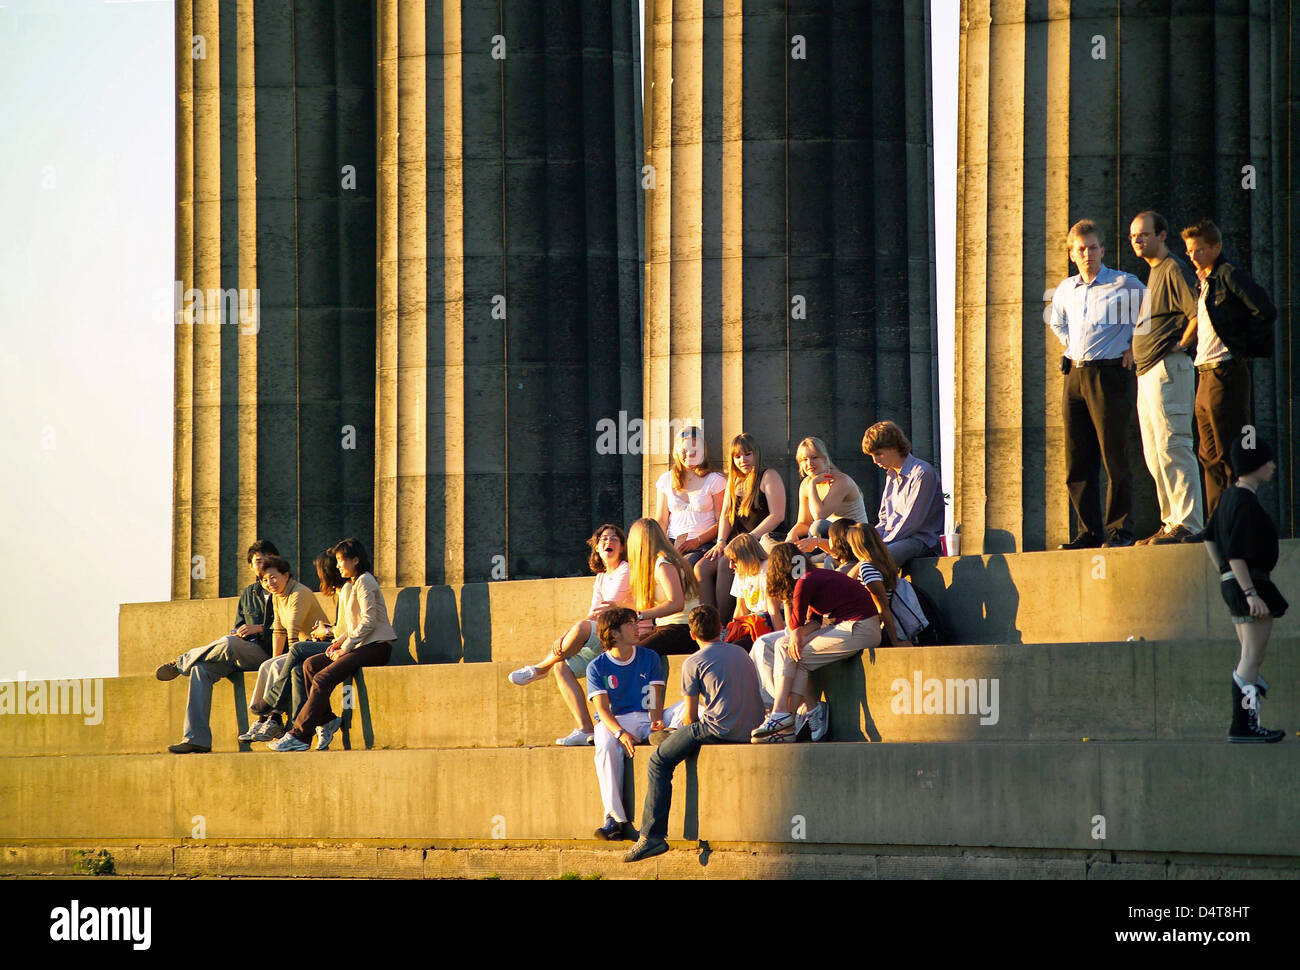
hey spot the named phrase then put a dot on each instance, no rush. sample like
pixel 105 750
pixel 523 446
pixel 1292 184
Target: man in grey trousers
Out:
pixel 245 648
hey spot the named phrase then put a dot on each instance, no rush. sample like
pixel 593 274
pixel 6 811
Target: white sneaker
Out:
pixel 525 675
pixel 819 721
pixel 576 738
pixel 251 733
pixel 325 733
pixel 288 743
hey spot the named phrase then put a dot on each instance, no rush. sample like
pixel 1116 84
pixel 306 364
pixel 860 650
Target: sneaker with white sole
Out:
pixel 269 729
pixel 288 743
pixel 775 727
pixel 325 733
pixel 819 721
pixel 251 733
pixel 576 739
pixel 526 675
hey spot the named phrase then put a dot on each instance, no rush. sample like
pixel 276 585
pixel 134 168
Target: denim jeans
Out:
pixel 675 749
pixel 292 677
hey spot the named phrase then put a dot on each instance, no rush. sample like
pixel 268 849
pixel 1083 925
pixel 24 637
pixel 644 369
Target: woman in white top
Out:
pixel 664 588
pixel 364 638
pixel 571 652
pixel 825 494
pixel 690 497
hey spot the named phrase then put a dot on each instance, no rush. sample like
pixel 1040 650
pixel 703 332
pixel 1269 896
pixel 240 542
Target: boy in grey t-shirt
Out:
pixel 722 704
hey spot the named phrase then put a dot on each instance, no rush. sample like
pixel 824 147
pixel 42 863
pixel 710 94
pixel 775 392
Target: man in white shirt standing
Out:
pixel 1093 314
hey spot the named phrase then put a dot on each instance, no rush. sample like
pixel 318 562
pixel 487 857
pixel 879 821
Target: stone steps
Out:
pixel 1174 690
pixel 1154 796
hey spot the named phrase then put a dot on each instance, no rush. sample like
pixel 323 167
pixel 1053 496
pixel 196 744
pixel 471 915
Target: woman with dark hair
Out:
pixel 571 652
pixel 363 638
pixel 285 670
pixel 754 503
pixel 690 497
pixel 831 617
pixel 1241 541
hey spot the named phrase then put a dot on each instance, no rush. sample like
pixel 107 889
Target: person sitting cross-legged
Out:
pixel 831 617
pixel 280 685
pixel 572 651
pixel 365 638
pixel 722 705
pixel 246 647
pixel 626 686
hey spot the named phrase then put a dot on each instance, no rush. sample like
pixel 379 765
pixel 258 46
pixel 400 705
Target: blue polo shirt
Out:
pixel 1095 320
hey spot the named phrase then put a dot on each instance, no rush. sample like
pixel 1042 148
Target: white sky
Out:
pixel 87 207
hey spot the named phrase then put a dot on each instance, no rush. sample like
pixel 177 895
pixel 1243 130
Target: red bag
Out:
pixel 747 629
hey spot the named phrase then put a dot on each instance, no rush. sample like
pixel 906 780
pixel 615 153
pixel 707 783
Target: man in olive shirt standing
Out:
pixel 1167 381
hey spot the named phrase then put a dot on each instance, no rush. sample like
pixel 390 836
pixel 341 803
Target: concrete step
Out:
pixel 1185 797
pixel 1152 592
pixel 592 859
pixel 511 621
pixel 1089 596
pixel 1065 692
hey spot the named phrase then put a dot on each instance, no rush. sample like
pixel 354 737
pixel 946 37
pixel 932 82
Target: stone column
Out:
pixel 1091 109
pixel 274 377
pixel 508 281
pixel 789 272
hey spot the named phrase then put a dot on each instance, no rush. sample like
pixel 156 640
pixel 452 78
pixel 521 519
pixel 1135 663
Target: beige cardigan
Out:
pixel 363 617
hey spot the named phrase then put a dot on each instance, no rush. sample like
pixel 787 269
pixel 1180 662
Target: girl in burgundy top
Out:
pixel 831 616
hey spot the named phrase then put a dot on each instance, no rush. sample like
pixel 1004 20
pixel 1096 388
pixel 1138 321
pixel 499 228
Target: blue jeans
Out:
pixel 292 677
pixel 675 749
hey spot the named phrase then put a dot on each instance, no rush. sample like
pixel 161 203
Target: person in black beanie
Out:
pixel 1242 541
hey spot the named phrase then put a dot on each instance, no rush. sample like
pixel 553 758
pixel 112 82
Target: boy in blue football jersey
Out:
pixel 626 685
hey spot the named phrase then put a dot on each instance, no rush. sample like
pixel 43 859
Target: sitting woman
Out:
pixel 830 617
pixel 570 654
pixel 690 497
pixel 835 545
pixel 911 506
pixel 826 494
pixel 364 638
pixel 755 615
pixel 626 685
pixel 286 670
pixel 874 568
pixel 664 588
pixel 755 503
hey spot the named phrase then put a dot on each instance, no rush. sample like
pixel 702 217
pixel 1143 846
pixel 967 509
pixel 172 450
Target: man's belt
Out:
pixel 1108 362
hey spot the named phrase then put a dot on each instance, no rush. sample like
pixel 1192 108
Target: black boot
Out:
pixel 1246 728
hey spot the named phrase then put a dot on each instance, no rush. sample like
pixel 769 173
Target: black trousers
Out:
pixel 1097 406
pixel 1223 402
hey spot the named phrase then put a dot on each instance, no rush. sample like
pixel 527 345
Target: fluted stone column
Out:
pixel 508 283
pixel 790 245
pixel 1088 109
pixel 274 406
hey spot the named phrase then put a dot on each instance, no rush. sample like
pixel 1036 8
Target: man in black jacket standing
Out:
pixel 1234 323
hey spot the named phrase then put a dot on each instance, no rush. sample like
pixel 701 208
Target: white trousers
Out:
pixel 609 760
pixel 1164 405
pixel 266 675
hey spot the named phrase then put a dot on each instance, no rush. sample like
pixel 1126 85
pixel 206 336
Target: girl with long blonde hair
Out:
pixel 826 495
pixel 664 587
pixel 754 504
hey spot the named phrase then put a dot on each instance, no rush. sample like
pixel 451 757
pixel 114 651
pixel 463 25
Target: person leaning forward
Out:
pixel 1092 314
